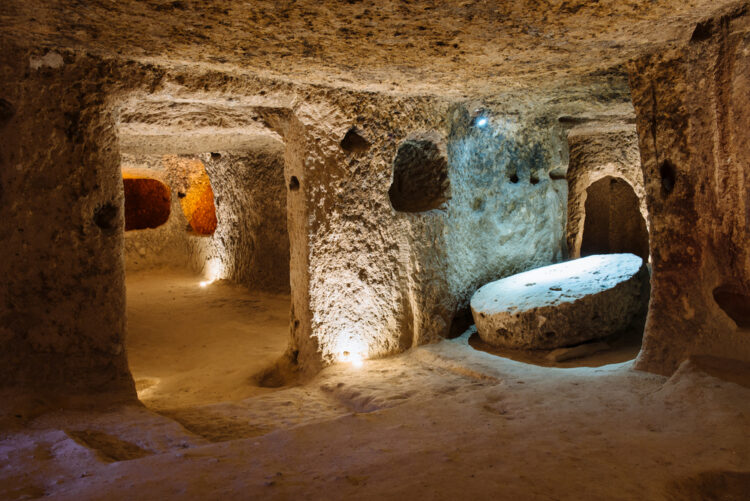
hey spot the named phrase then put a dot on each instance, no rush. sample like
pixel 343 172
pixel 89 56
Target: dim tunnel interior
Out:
pixel 613 221
pixel 207 263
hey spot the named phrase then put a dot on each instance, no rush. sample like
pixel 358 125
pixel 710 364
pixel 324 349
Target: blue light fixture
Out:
pixel 481 122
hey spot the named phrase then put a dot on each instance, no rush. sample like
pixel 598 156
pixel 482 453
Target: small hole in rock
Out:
pixel 534 180
pixel 702 31
pixel 513 178
pixel 353 142
pixel 105 216
pixel 294 183
pixel 215 156
pixel 6 112
pixel 557 174
pixel 735 304
pixel 462 320
pixel 668 175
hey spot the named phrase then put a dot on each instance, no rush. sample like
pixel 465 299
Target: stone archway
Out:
pixel 612 220
pixel 602 154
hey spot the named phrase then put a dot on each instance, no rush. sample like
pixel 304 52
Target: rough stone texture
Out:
pixel 364 278
pixel 600 149
pixel 452 47
pixel 420 176
pixel 62 309
pixel 507 214
pixel 382 280
pixel 563 304
pixel 251 242
pixel 694 134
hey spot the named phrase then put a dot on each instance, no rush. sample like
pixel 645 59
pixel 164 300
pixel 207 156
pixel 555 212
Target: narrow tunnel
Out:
pixel 207 270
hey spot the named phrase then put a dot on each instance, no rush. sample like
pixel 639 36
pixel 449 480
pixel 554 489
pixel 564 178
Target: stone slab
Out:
pixel 563 304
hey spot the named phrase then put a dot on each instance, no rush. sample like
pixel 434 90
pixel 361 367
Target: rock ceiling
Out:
pixel 446 47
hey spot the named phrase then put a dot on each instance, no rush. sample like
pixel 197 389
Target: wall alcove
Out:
pixel 420 177
pixel 147 203
pixel 198 205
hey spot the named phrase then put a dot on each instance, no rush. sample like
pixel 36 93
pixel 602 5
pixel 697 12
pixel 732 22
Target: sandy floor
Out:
pixel 191 345
pixel 444 421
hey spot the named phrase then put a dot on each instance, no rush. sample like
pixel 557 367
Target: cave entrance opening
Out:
pixel 208 291
pixel 207 274
pixel 613 222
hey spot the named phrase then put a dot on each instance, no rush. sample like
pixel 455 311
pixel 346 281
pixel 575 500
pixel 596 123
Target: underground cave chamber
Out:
pixel 349 250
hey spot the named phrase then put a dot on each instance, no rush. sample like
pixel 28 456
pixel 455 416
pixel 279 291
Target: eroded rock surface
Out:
pixel 562 304
pixel 451 46
pixel 692 110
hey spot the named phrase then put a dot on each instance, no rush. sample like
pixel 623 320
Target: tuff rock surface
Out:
pixel 694 129
pixel 601 149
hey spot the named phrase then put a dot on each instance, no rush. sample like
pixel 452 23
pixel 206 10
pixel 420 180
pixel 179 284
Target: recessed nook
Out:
pixel 613 222
pixel 420 177
pixel 735 304
pixel 198 203
pixel 354 142
pixel 668 175
pixel 607 210
pixel 147 203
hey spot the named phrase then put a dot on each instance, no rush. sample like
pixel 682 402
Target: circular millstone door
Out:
pixel 562 304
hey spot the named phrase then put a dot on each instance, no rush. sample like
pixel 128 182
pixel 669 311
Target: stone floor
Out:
pixel 444 421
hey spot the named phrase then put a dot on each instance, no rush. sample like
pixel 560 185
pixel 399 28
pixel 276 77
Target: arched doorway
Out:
pixel 613 222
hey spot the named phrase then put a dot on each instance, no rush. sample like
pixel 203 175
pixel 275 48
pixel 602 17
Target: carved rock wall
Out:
pixel 62 301
pixel 365 278
pixel 251 242
pixel 694 132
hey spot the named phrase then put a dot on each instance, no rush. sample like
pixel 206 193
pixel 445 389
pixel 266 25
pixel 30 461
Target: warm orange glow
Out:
pixel 198 204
